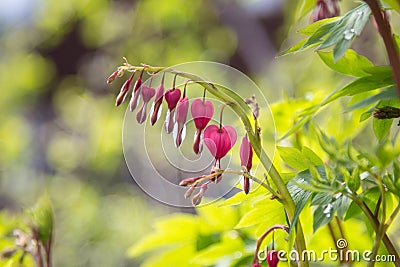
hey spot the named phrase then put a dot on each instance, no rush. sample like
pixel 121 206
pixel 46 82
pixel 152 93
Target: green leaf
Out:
pixel 172 230
pixel 382 127
pixel 299 195
pixel 365 116
pixel 350 64
pixel 352 211
pixel 361 85
pixel 297 47
pixel 264 211
pixel 342 205
pixel 318 35
pixel 351 24
pixel 324 26
pixel 293 157
pixel 322 198
pixel 311 157
pixel 322 215
pixel 214 253
pixel 296 127
pixel 42 218
pixel 354 181
pixel 389 182
pixel 312 28
pixel 341 47
pixel 396 173
pixel 387 94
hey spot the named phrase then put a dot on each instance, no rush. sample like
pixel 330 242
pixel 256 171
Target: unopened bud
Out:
pixel 190 181
pixel 189 192
pixel 246 185
pixel 197 199
pixel 124 91
pixel 112 77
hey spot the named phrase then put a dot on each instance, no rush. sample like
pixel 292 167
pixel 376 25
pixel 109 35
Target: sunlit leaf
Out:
pixel 389 93
pixel 350 64
pixel 311 156
pixel 293 157
pixel 382 127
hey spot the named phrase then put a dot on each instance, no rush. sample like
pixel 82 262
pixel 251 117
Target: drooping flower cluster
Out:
pixel 219 139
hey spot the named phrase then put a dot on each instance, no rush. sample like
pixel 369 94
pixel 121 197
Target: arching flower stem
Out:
pixel 264 235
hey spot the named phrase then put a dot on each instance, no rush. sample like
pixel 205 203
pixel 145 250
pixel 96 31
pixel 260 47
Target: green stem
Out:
pixel 243 111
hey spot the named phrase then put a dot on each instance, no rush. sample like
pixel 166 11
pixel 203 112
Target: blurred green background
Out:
pixel 59 130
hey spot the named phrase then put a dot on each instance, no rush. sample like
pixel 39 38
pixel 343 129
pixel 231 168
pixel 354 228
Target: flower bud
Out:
pixel 246 185
pixel 180 119
pixel 246 153
pixel 197 198
pixel 136 93
pixel 156 107
pixel 124 91
pixel 325 9
pixel 189 192
pixel 118 73
pixel 147 94
pixel 272 258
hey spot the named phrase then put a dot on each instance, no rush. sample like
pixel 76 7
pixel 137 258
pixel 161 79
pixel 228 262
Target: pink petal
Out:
pixel 219 141
pixel 202 112
pixel 246 153
pixel 172 97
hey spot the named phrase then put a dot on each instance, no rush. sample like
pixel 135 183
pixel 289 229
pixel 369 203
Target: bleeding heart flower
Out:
pixel 219 140
pixel 180 118
pixel 202 112
pixel 147 94
pixel 172 97
pixel 256 265
pixel 157 105
pixel 272 258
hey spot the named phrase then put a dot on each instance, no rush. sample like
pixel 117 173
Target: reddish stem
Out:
pixel 387 36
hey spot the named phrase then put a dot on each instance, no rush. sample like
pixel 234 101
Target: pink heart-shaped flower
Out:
pixel 219 140
pixel 202 112
pixel 172 97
